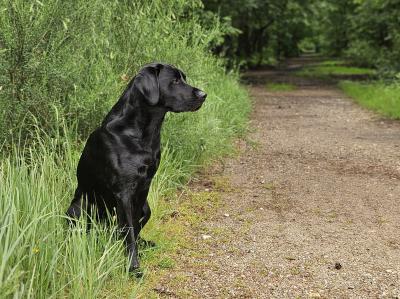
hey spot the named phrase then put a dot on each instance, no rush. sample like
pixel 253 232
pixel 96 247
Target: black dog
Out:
pixel 122 155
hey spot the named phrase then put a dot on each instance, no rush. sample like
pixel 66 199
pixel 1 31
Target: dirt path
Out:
pixel 313 208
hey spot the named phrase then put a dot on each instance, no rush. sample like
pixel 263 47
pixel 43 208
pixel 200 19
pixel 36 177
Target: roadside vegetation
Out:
pixel 329 69
pixel 63 65
pixel 379 96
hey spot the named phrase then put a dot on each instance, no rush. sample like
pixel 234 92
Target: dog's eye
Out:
pixel 176 81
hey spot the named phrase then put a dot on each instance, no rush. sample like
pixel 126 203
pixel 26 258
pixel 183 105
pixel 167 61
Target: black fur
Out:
pixel 121 157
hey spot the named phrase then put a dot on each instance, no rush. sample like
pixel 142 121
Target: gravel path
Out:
pixel 313 208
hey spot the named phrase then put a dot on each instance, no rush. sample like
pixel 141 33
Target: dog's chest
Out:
pixel 144 164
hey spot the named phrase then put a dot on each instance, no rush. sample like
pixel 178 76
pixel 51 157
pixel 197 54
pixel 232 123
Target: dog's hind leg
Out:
pixel 75 209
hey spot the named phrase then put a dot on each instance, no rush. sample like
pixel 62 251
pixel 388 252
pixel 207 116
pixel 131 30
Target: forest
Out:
pixel 63 64
pixel 263 32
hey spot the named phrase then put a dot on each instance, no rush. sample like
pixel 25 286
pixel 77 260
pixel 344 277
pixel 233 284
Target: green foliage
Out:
pixel 280 87
pixel 76 55
pixel 376 35
pixel 367 32
pixel 269 30
pixel 378 96
pixel 333 24
pixel 63 65
pixel 307 45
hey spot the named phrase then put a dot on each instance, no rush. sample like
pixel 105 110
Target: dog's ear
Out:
pixel 147 83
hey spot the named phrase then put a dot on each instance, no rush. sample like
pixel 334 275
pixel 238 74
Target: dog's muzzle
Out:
pixel 201 95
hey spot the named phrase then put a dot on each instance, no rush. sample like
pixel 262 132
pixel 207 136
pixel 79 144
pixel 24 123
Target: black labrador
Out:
pixel 121 157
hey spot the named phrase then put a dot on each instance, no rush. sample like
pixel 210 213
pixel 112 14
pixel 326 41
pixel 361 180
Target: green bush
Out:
pixel 63 65
pixel 76 55
pixel 362 53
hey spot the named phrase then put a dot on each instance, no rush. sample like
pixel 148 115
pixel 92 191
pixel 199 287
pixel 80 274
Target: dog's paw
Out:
pixel 146 243
pixel 136 271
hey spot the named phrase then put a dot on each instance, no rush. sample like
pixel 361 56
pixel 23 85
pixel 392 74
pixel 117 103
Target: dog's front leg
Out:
pixel 127 227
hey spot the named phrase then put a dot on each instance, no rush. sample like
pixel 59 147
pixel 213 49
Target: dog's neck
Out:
pixel 133 117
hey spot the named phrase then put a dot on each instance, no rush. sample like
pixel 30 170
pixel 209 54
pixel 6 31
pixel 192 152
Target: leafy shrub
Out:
pixel 362 53
pixel 76 56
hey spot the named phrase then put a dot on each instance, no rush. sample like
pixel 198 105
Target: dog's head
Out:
pixel 164 85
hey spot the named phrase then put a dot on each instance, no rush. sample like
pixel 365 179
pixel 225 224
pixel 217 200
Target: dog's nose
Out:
pixel 201 94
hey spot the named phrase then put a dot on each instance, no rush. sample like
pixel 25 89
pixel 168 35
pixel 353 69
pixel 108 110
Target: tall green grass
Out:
pixel 62 66
pixel 42 258
pixel 378 96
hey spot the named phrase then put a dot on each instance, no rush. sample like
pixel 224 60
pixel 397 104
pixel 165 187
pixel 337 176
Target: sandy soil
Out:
pixel 314 205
